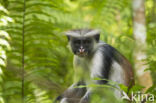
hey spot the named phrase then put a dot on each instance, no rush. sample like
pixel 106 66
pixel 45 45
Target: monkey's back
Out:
pixel 113 61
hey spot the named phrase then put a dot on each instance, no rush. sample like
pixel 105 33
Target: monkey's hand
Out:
pixel 84 100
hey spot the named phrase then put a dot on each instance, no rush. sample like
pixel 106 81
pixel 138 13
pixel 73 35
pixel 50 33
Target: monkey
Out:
pixel 94 59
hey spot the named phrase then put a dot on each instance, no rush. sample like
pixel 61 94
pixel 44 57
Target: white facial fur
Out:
pixel 84 33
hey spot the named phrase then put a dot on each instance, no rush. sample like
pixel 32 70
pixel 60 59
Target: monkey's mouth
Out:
pixel 82 54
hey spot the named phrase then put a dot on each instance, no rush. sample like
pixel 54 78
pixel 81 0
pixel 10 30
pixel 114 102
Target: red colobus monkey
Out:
pixel 94 59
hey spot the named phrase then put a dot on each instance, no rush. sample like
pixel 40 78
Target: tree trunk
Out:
pixel 139 33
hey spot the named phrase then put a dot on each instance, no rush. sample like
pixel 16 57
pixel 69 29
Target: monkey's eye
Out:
pixel 87 41
pixel 77 42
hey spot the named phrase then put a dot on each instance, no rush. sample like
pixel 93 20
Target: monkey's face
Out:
pixel 82 46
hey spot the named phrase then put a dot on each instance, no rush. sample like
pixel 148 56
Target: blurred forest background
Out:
pixel 36 65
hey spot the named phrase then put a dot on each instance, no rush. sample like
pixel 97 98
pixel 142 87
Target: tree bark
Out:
pixel 139 33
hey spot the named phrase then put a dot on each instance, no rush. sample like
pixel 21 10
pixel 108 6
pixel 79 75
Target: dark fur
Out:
pixel 108 54
pixel 77 42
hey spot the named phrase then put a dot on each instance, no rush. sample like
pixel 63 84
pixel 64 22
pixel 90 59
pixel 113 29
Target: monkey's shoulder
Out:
pixel 110 54
pixel 107 50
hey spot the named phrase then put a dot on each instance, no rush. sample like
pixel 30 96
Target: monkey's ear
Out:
pixel 68 37
pixel 68 34
pixel 97 37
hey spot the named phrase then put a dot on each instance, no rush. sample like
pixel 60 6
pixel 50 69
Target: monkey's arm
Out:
pixel 73 94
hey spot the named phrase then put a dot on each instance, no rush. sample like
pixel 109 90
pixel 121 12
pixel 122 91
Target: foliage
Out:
pixel 151 25
pixel 36 65
pixel 4 45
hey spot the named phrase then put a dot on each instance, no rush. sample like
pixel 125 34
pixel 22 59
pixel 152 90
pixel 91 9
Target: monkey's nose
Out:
pixel 81 50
